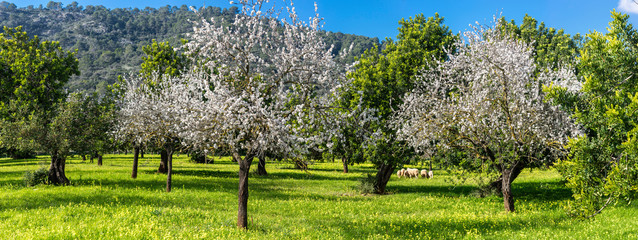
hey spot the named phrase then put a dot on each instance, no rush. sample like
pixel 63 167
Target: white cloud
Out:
pixel 628 6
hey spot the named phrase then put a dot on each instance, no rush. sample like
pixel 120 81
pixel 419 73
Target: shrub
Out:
pixel 367 183
pixel 33 178
pixel 198 157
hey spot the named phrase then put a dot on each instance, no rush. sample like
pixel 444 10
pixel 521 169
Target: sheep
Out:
pixel 413 172
pixel 430 174
pixel 401 173
pixel 424 173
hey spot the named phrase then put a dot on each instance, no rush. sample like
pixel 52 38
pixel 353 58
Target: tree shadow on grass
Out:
pixel 299 175
pixel 7 162
pixel 356 171
pixel 452 229
pixel 448 191
pixel 527 191
pixel 124 192
pixel 546 191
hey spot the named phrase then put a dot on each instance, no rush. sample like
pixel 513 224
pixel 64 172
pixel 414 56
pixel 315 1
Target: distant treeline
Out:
pixel 109 41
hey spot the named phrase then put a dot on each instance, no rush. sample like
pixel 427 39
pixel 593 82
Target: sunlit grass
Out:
pixel 323 203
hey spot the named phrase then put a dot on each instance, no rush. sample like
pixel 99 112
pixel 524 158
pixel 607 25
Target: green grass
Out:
pixel 105 203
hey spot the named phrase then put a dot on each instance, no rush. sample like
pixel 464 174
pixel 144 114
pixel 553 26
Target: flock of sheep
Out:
pixel 413 172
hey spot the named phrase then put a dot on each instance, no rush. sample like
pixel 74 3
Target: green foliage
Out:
pixel 384 77
pixel 89 120
pixel 33 72
pixel 36 177
pixel 32 80
pixel 163 59
pixel 603 163
pixel 381 78
pixel 552 47
pixel 367 184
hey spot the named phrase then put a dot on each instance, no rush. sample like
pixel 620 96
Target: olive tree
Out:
pixel 379 81
pixel 32 76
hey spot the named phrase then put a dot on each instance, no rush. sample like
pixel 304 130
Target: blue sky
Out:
pixel 379 18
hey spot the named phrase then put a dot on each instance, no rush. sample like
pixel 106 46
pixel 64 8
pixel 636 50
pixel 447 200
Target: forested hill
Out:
pixel 109 41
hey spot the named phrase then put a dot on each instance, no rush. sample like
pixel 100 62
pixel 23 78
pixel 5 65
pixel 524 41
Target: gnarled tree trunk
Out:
pixel 383 176
pixel 244 167
pixel 141 152
pixel 163 167
pixel 99 159
pixel 56 170
pixel 261 167
pixel 136 152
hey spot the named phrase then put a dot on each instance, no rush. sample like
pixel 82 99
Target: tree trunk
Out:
pixel 163 162
pixel 261 167
pixel 91 158
pixel 508 199
pixel 56 170
pixel 83 158
pixel 141 152
pixel 136 152
pixel 99 160
pixel 244 167
pixel 345 165
pixel 169 174
pixel 383 175
pixel 498 183
pixel 430 168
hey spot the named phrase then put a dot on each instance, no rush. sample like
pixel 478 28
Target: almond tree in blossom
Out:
pixel 152 112
pixel 265 83
pixel 487 100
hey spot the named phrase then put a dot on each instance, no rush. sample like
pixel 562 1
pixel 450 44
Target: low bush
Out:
pixel 366 184
pixel 33 178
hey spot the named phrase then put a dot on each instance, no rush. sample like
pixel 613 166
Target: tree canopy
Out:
pixel 602 165
pixel 381 78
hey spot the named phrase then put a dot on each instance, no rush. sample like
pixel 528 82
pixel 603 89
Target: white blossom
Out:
pixel 486 94
pixel 269 84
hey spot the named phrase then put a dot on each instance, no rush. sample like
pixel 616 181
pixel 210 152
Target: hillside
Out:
pixel 109 41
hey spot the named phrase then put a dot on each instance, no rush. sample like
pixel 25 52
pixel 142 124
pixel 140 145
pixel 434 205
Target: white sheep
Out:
pixel 430 174
pixel 401 173
pixel 424 173
pixel 413 172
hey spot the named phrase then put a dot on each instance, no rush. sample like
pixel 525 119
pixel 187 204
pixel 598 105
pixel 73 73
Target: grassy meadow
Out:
pixel 103 202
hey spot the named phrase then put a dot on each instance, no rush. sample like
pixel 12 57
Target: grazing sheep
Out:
pixel 413 172
pixel 424 173
pixel 430 174
pixel 401 173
